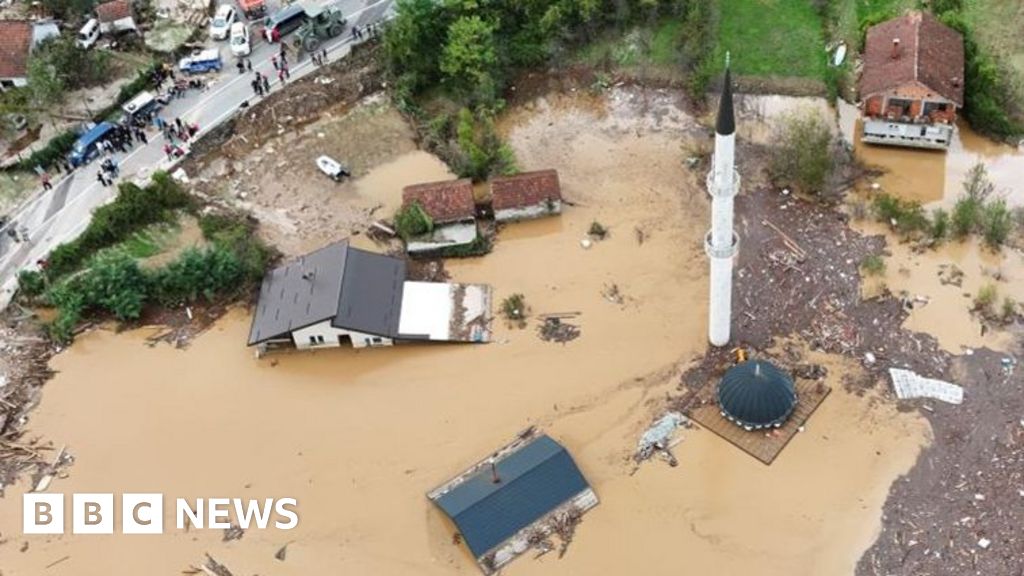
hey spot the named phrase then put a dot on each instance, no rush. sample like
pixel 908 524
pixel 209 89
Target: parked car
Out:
pixel 89 33
pixel 201 61
pixel 143 103
pixel 253 8
pixel 240 39
pixel 283 22
pixel 222 21
pixel 87 146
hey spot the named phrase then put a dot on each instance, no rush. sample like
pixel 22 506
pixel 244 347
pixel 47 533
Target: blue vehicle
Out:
pixel 87 146
pixel 201 61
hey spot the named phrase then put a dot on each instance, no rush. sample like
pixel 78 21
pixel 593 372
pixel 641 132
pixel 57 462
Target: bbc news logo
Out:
pixel 144 513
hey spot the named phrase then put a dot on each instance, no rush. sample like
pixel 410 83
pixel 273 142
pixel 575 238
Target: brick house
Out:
pixel 115 16
pixel 913 82
pixel 17 39
pixel 450 205
pixel 526 195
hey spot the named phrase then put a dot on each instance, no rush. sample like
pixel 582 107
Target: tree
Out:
pixel 412 41
pixel 470 58
pixel 46 89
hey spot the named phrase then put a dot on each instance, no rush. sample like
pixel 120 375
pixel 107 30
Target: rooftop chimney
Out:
pixel 895 48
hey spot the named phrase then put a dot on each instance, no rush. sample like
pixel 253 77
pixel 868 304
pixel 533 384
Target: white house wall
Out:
pixel 331 337
pixel 539 210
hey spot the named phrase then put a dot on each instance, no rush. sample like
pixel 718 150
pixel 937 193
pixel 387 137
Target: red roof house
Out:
pixel 115 15
pixel 445 202
pixel 526 195
pixel 913 74
pixel 15 46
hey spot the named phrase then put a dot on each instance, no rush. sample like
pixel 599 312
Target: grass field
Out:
pixel 772 38
pixel 642 50
pixel 999 28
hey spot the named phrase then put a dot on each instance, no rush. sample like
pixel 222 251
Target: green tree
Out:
pixel 996 222
pixel 470 58
pixel 45 86
pixel 802 154
pixel 412 41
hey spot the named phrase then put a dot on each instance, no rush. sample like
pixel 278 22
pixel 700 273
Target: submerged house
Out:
pixel 340 294
pixel 913 82
pixel 507 503
pixel 526 195
pixel 451 208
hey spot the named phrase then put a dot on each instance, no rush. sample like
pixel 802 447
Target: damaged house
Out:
pixel 450 206
pixel 525 196
pixel 913 82
pixel 515 499
pixel 341 294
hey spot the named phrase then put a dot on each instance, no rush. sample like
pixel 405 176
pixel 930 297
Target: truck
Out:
pixel 321 24
pixel 201 61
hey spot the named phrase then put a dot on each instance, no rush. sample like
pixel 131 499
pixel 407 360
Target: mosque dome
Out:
pixel 756 394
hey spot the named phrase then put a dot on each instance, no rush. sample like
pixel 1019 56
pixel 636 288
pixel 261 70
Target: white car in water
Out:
pixel 220 26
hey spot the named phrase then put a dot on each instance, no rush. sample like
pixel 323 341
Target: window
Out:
pixel 314 340
pixel 377 340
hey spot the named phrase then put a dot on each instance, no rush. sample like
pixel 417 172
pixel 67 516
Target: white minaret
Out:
pixel 721 243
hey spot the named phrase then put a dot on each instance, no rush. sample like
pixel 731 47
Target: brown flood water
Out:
pixel 936 178
pixel 359 437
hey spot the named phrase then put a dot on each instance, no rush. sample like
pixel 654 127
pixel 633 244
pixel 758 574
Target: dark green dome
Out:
pixel 756 394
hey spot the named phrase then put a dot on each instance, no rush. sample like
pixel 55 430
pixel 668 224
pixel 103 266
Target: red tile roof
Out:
pixel 929 52
pixel 15 44
pixel 447 201
pixel 113 11
pixel 525 189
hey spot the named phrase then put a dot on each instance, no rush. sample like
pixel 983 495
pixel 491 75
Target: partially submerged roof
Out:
pixel 534 480
pixel 355 289
pixel 525 189
pixel 928 52
pixel 447 201
pixel 113 11
pixel 15 45
pixel 756 394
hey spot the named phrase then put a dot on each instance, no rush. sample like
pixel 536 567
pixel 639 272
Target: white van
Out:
pixel 240 39
pixel 89 33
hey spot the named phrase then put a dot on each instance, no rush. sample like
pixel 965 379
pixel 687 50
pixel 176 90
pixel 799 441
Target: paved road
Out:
pixel 60 214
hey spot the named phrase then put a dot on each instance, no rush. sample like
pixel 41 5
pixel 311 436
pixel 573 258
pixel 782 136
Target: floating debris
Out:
pixel 555 329
pixel 658 438
pixel 908 384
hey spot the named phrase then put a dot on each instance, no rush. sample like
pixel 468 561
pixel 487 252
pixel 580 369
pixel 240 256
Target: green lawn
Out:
pixel 999 28
pixel 639 46
pixel 147 242
pixel 772 38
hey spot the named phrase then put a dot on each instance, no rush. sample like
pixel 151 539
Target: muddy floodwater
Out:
pixel 935 178
pixel 358 437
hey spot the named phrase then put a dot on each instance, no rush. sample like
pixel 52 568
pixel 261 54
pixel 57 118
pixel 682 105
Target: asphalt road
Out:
pixel 60 214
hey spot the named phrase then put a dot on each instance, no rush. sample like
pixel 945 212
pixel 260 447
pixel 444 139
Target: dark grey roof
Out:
pixel 289 301
pixel 757 394
pixel 535 480
pixel 371 293
pixel 355 289
pixel 726 123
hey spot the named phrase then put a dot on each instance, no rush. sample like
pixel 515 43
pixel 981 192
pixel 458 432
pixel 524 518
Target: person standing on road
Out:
pixel 248 64
pixel 280 75
pixel 46 181
pixel 273 60
pixel 323 56
pixel 102 178
pixel 266 85
pixel 287 74
pixel 257 87
pixel 177 122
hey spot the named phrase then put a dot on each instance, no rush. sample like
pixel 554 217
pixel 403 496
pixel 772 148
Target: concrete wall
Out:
pixel 935 136
pixel 122 25
pixel 529 212
pixel 326 336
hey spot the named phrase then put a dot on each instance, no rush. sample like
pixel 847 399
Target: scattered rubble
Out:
pixel 554 328
pixel 235 532
pixel 908 385
pixel 658 439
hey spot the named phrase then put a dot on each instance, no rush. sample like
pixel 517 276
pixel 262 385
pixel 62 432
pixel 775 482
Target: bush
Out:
pixel 597 230
pixel 986 298
pixel 802 154
pixel 995 222
pixel 1009 309
pixel 904 215
pixel 479 152
pixel 966 212
pixel 55 150
pixel 873 265
pixel 31 284
pixel 134 208
pixel 940 224
pixel 514 309
pixel 198 274
pixel 412 221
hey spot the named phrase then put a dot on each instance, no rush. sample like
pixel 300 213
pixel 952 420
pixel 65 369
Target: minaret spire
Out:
pixel 721 243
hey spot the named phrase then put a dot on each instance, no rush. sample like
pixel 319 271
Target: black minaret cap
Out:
pixel 726 123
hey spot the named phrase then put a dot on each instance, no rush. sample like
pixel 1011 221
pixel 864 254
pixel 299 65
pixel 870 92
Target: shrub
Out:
pixel 940 224
pixel 55 150
pixel 31 284
pixel 996 222
pixel 114 283
pixel 977 185
pixel 514 309
pixel 198 274
pixel 802 154
pixel 965 216
pixel 1009 309
pixel 873 265
pixel 597 230
pixel 478 150
pixel 904 215
pixel 412 221
pixel 986 298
